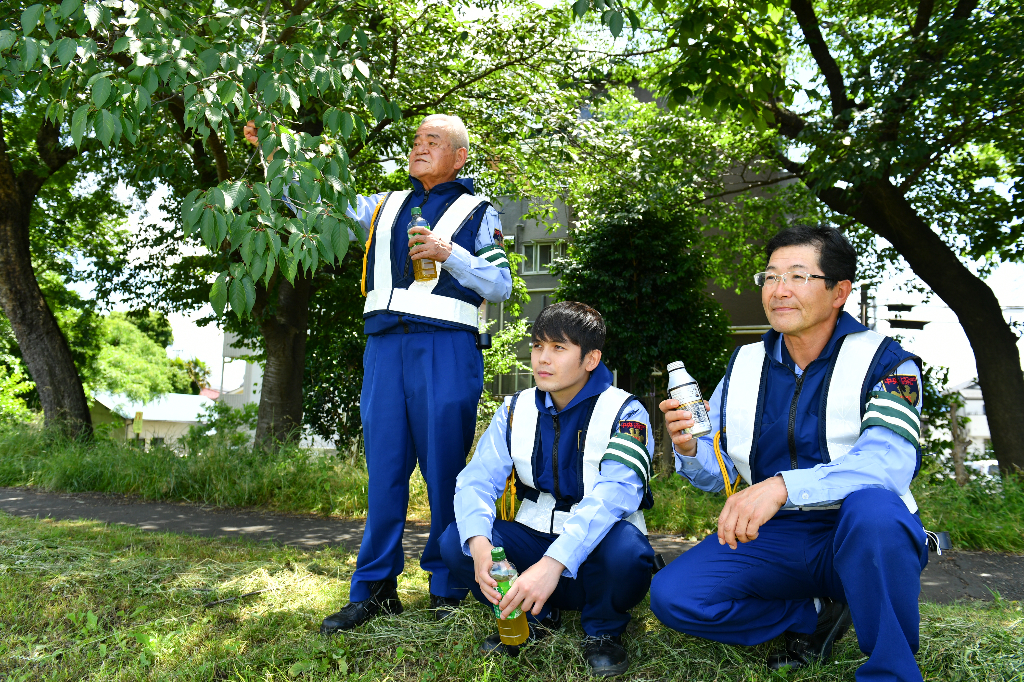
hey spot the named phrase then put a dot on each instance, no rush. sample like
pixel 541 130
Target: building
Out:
pixel 161 421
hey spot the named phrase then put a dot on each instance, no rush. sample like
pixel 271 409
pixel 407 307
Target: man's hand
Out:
pixel 480 547
pixel 425 244
pixel 677 420
pixel 749 509
pixel 533 587
pixel 250 133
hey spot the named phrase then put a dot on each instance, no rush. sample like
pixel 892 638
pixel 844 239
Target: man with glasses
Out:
pixel 423 370
pixel 821 419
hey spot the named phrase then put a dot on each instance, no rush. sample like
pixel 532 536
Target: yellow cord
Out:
pixel 730 488
pixel 507 511
pixel 369 240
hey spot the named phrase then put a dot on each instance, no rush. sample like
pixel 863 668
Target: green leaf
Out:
pixel 323 242
pixel 250 293
pixel 211 60
pixel 297 669
pixel 289 266
pixel 105 126
pixel 7 39
pixel 339 239
pixel 346 124
pixel 219 293
pixel 236 297
pixel 93 13
pixel 245 248
pixel 30 18
pixel 580 8
pixel 363 68
pixel 188 213
pixel 288 142
pixel 775 13
pixel 120 45
pixel 615 23
pixel 208 228
pixel 68 7
pixel 100 92
pixel 258 266
pixel 79 121
pixel 65 49
pixel 274 169
pixel 32 51
pixel 222 230
pixel 226 91
pixel 263 197
pixel 234 194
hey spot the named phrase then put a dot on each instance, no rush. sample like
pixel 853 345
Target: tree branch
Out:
pixel 754 185
pixel 804 11
pixel 790 123
pixel 53 157
pixel 964 9
pixel 176 105
pixel 924 15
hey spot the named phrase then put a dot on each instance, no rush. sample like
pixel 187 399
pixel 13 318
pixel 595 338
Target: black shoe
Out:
pixel 494 645
pixel 802 650
pixel 605 655
pixel 443 606
pixel 383 599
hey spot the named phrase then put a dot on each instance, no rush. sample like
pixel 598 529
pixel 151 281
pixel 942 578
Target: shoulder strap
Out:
pixel 522 434
pixel 603 420
pixel 388 214
pixel 458 214
pixel 742 399
pixel 844 394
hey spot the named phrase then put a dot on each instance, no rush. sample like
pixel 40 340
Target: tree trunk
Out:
pixel 284 327
pixel 43 345
pixel 958 444
pixel 884 210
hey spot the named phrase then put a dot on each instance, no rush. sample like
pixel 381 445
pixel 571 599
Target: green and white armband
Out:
pixel 894 413
pixel 495 255
pixel 625 449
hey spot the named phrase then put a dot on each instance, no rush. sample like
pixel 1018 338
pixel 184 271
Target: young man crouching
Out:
pixel 581 451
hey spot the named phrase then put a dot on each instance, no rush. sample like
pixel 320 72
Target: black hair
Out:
pixel 571 321
pixel 836 256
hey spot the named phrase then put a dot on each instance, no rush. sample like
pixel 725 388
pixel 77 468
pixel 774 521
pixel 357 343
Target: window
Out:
pixel 540 254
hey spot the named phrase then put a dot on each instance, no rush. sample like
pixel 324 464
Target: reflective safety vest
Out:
pixel 540 510
pixel 419 299
pixel 843 409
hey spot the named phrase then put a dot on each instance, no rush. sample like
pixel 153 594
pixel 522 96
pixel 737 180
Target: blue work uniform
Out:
pixel 846 531
pixel 607 557
pixel 422 379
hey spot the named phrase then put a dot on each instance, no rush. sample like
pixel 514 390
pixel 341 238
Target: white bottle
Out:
pixel 682 387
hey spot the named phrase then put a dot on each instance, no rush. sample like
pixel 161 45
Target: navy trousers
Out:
pixel 612 580
pixel 869 554
pixel 418 404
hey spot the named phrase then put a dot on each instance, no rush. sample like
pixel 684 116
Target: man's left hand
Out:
pixel 533 587
pixel 749 509
pixel 425 244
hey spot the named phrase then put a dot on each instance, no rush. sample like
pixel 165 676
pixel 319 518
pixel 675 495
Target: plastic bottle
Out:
pixel 682 387
pixel 513 630
pixel 423 269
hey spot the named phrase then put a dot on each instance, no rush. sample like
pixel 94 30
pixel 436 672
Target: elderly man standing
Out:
pixel 422 369
pixel 822 420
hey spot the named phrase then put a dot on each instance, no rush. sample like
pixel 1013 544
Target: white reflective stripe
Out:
pixel 382 284
pixel 741 405
pixel 536 515
pixel 911 503
pixel 415 301
pixel 599 432
pixel 457 214
pixel 523 437
pixel 843 407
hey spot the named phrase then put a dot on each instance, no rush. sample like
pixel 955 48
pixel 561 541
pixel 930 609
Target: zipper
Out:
pixel 792 422
pixel 554 455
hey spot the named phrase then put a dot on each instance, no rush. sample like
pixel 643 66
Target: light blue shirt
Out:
pixel 879 459
pixel 617 493
pixel 479 274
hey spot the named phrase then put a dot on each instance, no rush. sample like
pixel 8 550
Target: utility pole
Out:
pixel 864 304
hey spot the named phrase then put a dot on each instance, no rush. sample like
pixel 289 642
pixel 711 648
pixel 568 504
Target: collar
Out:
pixel 846 324
pixel 456 186
pixel 598 382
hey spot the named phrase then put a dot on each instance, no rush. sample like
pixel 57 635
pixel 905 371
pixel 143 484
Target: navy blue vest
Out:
pixel 433 204
pixel 569 428
pixel 787 423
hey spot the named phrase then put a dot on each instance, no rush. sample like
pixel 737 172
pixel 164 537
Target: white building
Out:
pixel 161 421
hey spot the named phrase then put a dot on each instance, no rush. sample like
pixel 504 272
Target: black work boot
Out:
pixel 383 599
pixel 443 606
pixel 802 650
pixel 605 655
pixel 493 644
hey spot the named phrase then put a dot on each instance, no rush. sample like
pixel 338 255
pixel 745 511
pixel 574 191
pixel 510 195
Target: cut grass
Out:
pixel 979 516
pixel 80 600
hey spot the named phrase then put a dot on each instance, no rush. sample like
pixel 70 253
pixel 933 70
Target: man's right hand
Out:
pixel 250 133
pixel 480 547
pixel 677 420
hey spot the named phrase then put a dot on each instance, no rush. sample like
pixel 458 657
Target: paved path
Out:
pixel 954 575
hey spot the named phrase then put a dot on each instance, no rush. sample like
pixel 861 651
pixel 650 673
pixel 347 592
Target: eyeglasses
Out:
pixel 794 278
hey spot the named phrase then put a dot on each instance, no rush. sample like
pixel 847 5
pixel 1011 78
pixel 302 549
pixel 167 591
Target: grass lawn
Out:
pixel 79 600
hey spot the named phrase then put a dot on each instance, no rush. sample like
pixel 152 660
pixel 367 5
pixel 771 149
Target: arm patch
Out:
pixel 905 386
pixel 625 449
pixel 636 429
pixel 892 412
pixel 495 255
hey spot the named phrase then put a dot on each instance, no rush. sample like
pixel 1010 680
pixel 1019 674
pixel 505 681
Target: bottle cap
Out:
pixel 416 210
pixel 497 554
pixel 678 364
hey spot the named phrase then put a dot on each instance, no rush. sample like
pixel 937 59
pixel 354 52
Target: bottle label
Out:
pixel 690 399
pixel 503 588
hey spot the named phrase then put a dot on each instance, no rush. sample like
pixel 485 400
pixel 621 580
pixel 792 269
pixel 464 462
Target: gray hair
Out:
pixel 458 136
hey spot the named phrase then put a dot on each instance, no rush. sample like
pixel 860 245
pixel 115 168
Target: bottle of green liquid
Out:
pixel 513 630
pixel 423 269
